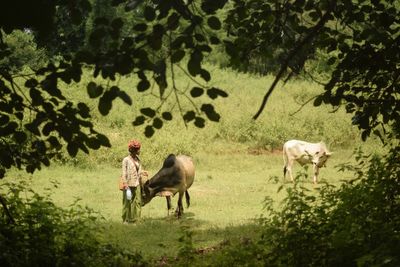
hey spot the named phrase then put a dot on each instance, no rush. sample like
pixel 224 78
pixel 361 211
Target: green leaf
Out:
pixel 48 128
pixel 117 23
pixel 214 40
pixel 103 140
pixel 139 120
pixel 94 90
pixel 36 97
pixel 214 23
pixel 318 101
pixel 33 128
pixel 54 142
pixel 209 110
pixel 194 63
pixel 173 21
pixel 205 75
pixel 4 119
pixel 143 85
pixel 365 134
pixel 149 112
pixel 31 83
pixel 93 143
pixel 199 37
pixel 157 123
pixel 199 122
pixel 20 137
pixel 72 149
pixel 331 61
pixel 177 56
pixel 105 105
pixel 149 13
pixel 166 116
pixel 84 110
pixel 149 131
pixel 125 97
pixel 141 27
pixel 213 93
pixel 196 91
pixel 189 116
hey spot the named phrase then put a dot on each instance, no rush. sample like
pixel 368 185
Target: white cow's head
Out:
pixel 321 158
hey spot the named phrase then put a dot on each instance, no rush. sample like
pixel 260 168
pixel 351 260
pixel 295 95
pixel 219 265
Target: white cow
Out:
pixel 304 153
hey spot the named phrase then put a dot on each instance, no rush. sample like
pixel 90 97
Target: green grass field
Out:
pixel 238 163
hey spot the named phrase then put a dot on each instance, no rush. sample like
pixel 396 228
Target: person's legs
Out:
pixel 136 206
pixel 126 208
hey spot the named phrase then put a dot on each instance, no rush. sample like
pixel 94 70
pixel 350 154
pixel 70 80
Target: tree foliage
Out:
pixel 361 38
pixel 151 39
pixel 37 120
pixel 22 51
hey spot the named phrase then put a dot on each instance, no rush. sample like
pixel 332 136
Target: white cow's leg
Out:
pixel 316 172
pixel 289 166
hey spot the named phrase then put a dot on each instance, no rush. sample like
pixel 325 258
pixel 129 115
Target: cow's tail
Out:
pixel 187 198
pixel 284 162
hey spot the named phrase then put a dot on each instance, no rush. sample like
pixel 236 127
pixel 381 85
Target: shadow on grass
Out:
pixel 156 238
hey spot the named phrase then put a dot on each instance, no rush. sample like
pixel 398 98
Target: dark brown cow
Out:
pixel 175 176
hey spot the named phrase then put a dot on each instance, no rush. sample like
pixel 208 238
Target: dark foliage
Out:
pixel 43 234
pixel 163 33
pixel 361 39
pixel 354 225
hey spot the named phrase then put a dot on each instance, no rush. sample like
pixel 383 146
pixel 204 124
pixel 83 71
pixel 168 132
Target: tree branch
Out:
pixel 7 211
pixel 292 53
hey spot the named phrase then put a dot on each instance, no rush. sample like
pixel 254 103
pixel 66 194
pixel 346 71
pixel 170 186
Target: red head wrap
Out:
pixel 135 144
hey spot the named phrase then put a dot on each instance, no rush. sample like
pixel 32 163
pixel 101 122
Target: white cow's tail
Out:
pixel 284 161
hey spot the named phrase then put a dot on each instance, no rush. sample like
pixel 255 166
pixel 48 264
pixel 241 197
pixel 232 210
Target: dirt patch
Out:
pixel 261 151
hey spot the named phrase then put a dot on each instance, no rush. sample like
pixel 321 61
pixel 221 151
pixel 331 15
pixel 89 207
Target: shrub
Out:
pixel 46 235
pixel 354 225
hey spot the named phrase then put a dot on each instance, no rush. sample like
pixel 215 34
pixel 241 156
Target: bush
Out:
pixel 46 235
pixel 355 225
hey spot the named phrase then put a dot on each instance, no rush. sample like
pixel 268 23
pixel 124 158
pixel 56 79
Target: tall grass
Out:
pixel 289 114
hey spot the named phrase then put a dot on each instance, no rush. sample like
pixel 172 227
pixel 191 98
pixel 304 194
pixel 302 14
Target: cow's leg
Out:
pixel 284 172
pixel 289 166
pixel 169 206
pixel 187 198
pixel 316 172
pixel 179 209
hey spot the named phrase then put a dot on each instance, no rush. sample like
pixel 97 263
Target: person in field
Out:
pixel 132 173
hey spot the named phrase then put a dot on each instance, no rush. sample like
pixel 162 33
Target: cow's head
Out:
pixel 321 158
pixel 147 193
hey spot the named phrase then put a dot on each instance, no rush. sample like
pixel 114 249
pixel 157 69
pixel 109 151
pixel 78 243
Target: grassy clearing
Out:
pixel 227 198
pixel 238 162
